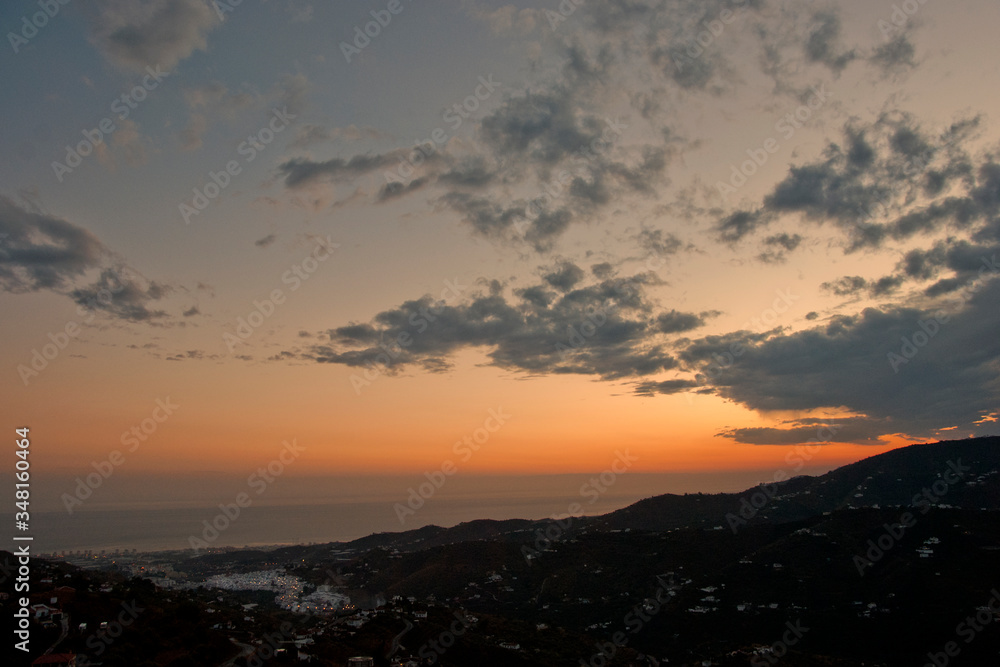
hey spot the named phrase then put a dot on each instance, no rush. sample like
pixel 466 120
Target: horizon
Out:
pixel 117 526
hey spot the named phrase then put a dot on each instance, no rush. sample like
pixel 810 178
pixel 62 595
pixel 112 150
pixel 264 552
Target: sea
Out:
pixel 202 512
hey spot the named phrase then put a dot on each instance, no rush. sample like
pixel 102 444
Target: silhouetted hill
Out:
pixel 890 479
pixel 894 478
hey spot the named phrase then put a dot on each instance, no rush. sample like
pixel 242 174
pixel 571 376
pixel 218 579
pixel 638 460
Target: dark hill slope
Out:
pixel 894 478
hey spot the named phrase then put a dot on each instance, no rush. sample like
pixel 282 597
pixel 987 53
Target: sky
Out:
pixel 497 239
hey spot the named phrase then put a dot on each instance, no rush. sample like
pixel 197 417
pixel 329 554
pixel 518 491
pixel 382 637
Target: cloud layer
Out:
pixel 601 129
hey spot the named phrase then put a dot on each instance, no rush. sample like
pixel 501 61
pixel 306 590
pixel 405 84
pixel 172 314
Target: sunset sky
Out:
pixel 705 231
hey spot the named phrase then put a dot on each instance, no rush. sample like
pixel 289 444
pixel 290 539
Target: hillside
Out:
pixel 889 479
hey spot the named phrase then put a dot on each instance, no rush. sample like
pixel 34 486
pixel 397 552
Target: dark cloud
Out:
pixel 123 294
pixel 42 252
pixel 603 271
pixel 739 224
pixel 509 222
pixel 39 251
pixel 266 241
pixel 486 217
pixel 822 45
pixel 472 172
pixel 860 153
pixel 823 191
pixel 543 231
pixel 778 246
pixel 897 55
pixel 195 355
pixel 924 264
pixel 647 174
pixel 537 296
pixel 665 387
pixel 963 261
pixel 659 243
pixel 564 277
pixel 857 430
pixel 846 286
pixel 786 241
pixel 604 328
pixel 854 286
pixel 885 285
pixel 545 127
pixel 301 172
pixel 888 181
pixel 678 322
pixel 909 142
pixel 692 72
pixel 944 373
pixel 157 33
pixel 394 189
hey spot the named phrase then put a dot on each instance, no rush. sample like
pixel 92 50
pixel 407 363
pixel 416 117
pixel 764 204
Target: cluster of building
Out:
pixel 259 580
pixel 321 601
pixel 47 605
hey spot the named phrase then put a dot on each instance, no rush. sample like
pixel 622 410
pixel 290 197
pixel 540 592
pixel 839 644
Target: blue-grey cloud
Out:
pixel 155 33
pixel 39 251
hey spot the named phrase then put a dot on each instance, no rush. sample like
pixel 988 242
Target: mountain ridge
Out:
pixel 911 468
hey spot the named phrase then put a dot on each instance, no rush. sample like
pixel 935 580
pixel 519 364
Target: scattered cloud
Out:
pixel 124 295
pixel 266 241
pixel 604 328
pixel 156 33
pixel 40 251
